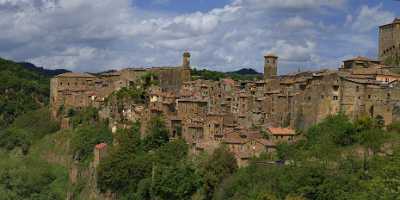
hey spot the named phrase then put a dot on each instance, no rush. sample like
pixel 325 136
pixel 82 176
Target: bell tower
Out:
pixel 185 70
pixel 186 60
pixel 270 66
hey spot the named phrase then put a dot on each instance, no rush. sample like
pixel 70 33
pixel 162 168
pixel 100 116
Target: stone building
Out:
pixel 249 117
pixel 79 90
pixel 389 40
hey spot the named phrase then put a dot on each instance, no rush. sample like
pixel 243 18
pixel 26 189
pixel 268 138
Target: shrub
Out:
pixel 86 137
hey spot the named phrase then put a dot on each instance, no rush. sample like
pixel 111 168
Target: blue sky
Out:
pixel 92 35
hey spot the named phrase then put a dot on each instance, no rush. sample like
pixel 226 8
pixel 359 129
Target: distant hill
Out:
pixel 245 71
pixel 21 90
pixel 41 70
pixel 241 74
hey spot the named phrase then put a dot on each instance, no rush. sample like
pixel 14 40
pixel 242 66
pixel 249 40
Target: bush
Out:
pixel 394 127
pixel 31 179
pixel 86 137
pixel 337 129
pixel 27 129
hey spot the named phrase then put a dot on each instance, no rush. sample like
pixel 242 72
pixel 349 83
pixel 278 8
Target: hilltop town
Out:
pixel 250 117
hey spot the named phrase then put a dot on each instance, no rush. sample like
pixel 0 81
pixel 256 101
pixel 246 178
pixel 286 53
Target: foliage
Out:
pixel 157 134
pixel 138 92
pixel 85 137
pixel 393 61
pixel 148 168
pixel 21 90
pixel 207 74
pixel 220 165
pixel 394 127
pixel 30 179
pixel 85 116
pixel 327 166
pixel 27 129
pixel 337 128
pixel 175 182
pixel 215 75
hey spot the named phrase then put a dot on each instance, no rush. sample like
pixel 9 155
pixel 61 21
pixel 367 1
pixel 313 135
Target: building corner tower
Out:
pixel 270 66
pixel 186 71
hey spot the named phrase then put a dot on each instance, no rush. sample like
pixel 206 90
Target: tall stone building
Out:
pixel 249 116
pixel 270 66
pixel 79 90
pixel 389 40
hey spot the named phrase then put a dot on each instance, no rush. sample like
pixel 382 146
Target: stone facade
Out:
pixel 249 117
pixel 389 39
pixel 79 90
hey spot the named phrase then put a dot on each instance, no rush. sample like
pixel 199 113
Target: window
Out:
pixel 369 96
pixel 336 88
pixel 357 88
pixel 335 98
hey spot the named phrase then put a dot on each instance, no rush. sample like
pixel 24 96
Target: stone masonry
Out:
pixel 250 117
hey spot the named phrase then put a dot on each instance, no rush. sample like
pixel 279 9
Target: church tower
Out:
pixel 270 66
pixel 186 60
pixel 186 71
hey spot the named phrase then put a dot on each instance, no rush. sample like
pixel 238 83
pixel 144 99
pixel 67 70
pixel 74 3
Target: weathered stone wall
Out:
pixel 389 39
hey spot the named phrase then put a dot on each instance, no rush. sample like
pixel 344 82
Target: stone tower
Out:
pixel 389 40
pixel 270 66
pixel 186 60
pixel 186 71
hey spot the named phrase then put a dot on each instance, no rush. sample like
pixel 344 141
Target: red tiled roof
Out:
pixel 101 145
pixel 281 131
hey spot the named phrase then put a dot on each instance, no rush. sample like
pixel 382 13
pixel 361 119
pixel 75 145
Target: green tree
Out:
pixel 220 165
pixel 175 182
pixel 157 134
pixel 84 139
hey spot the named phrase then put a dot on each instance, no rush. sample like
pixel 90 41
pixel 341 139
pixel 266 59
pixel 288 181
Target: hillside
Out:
pixel 41 70
pixel 21 90
pixel 245 71
pixel 241 74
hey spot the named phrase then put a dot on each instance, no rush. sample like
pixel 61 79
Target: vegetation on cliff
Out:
pixel 337 159
pixel 21 90
pixel 154 168
pixel 27 129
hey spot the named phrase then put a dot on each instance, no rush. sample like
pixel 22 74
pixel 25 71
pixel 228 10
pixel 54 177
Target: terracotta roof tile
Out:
pixel 101 146
pixel 281 131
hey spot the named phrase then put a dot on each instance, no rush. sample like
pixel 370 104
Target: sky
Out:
pixel 224 35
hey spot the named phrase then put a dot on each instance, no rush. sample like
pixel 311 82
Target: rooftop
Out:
pixel 281 131
pixel 101 146
pixel 75 75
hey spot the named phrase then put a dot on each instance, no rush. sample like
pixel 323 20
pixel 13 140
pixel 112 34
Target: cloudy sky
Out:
pixel 95 35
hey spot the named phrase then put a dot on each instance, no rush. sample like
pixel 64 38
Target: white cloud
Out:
pixel 289 4
pixel 371 17
pixel 92 35
pixel 293 52
pixel 297 22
